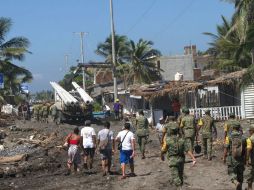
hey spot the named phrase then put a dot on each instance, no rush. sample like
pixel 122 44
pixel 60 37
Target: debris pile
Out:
pixel 6 120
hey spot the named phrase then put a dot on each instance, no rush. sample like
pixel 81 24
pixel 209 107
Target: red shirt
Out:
pixel 176 106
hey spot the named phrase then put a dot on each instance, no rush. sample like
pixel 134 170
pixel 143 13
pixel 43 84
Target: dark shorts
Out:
pixel 125 157
pixel 106 154
pixel 89 152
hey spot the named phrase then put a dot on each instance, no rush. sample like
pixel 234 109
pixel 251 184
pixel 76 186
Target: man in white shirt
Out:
pixel 127 152
pixel 88 139
pixel 159 129
pixel 106 145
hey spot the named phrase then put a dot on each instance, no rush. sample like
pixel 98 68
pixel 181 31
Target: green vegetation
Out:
pixel 233 45
pixel 10 50
pixel 135 61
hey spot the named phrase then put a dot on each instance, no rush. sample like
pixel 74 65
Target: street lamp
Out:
pixel 113 48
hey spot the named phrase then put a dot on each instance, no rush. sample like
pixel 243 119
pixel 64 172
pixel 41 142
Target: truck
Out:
pixel 68 108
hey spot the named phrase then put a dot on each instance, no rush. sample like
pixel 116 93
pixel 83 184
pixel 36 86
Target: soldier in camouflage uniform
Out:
pixel 41 113
pixel 250 158
pixel 45 113
pixel 228 125
pixel 142 132
pixel 133 121
pixel 166 134
pixel 206 124
pixel 176 149
pixel 188 128
pixel 36 112
pixel 235 148
pixel 53 110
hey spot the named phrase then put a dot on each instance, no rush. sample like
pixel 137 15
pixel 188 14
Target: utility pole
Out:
pixel 82 56
pixel 66 62
pixel 113 48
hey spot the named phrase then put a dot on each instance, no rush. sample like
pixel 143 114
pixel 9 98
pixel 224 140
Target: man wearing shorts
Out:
pixel 105 143
pixel 89 144
pixel 127 152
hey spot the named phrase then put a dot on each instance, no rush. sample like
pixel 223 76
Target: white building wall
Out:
pixel 172 64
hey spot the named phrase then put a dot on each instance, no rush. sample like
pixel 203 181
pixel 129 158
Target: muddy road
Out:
pixel 44 165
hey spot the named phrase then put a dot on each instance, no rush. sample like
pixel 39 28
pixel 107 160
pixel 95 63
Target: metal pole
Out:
pixel 82 59
pixel 113 49
pixel 66 62
pixel 82 56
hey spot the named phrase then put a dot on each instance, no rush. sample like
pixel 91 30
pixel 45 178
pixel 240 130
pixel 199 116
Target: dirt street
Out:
pixel 45 164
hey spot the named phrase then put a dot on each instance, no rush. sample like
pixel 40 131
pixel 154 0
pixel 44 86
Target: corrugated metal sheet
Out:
pixel 248 100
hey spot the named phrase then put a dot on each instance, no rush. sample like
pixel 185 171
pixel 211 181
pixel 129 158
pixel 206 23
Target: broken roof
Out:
pixel 151 91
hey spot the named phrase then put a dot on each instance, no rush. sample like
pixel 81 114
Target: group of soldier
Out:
pixel 180 136
pixel 41 112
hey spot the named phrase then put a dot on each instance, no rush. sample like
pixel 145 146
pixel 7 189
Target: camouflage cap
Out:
pixel 236 125
pixel 185 110
pixel 232 114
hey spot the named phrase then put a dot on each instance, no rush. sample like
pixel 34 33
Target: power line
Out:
pixel 176 18
pixel 142 16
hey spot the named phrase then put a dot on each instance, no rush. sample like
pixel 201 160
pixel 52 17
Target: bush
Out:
pixel 97 107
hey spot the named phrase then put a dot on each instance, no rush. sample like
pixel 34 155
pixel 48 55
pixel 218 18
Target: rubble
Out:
pixel 6 120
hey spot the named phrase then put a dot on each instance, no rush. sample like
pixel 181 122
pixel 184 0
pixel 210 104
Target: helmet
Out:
pixel 117 100
pixel 236 125
pixel 232 114
pixel 185 110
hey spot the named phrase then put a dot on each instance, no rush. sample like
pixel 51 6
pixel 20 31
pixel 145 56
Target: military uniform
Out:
pixel 235 164
pixel 45 113
pixel 176 149
pixel 207 124
pixel 228 126
pixel 166 131
pixel 189 130
pixel 53 110
pixel 142 132
pixel 250 168
pixel 41 113
pixel 36 112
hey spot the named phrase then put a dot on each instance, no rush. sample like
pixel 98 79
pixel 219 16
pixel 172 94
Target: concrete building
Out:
pixel 183 64
pixel 190 64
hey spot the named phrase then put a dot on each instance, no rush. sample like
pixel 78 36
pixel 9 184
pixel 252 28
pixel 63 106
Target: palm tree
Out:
pixel 142 67
pixel 121 48
pixel 14 48
pixel 231 51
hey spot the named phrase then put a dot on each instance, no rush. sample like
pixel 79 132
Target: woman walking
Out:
pixel 73 141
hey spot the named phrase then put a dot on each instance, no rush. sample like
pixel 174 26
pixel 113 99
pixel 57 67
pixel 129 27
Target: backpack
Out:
pixel 175 146
pixel 142 126
pixel 236 145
